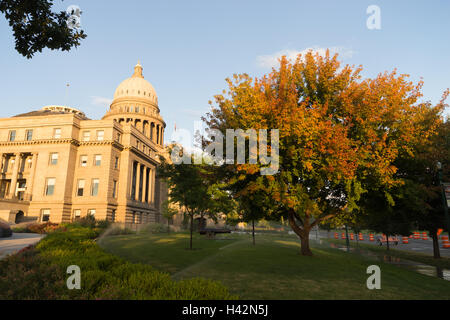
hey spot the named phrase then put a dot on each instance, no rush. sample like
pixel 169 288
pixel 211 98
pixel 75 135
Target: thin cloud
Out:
pixel 271 60
pixel 101 101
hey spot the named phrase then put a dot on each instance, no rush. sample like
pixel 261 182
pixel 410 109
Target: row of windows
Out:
pixel 45 214
pixel 100 135
pixel 81 186
pixel 84 159
pixel 28 135
pixel 86 135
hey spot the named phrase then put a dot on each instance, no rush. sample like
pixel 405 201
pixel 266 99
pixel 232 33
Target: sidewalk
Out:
pixel 17 242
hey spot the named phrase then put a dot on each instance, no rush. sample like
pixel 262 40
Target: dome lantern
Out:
pixel 138 71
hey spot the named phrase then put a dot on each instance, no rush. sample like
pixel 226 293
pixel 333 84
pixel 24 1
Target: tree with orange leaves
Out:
pixel 338 133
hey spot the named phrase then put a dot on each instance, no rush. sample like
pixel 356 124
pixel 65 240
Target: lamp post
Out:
pixel 444 200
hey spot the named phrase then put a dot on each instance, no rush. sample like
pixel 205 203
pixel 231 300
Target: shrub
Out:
pixel 5 230
pixel 263 224
pixel 42 228
pixel 154 228
pixel 40 273
pixel 88 221
pixel 19 229
pixel 117 231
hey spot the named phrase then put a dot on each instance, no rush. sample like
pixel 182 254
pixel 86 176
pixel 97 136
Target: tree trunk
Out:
pixel 436 252
pixel 303 233
pixel 192 228
pixel 168 226
pixel 387 242
pixel 253 231
pixel 305 250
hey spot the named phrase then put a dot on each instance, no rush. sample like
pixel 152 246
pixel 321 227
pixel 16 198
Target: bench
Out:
pixel 211 232
pixel 392 240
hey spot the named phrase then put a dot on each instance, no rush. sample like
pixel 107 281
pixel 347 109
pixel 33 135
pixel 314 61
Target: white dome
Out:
pixel 136 87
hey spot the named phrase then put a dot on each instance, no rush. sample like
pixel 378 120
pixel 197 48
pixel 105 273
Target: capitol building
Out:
pixel 57 165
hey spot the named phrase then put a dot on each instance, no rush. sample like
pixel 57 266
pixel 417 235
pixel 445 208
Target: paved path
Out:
pixel 17 242
pixel 423 246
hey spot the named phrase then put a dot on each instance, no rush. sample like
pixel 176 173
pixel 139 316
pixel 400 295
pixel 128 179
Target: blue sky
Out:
pixel 188 48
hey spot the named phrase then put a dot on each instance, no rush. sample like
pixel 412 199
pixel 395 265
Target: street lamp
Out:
pixel 444 200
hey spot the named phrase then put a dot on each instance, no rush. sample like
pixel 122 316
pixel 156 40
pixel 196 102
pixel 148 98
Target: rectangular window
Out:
pixel 83 161
pixel 76 214
pixel 116 163
pixel 50 186
pixel 80 187
pixel 45 215
pixel 29 135
pixel 100 135
pixel 118 137
pixel 114 189
pixel 94 187
pixel 91 212
pixel 57 133
pixel 86 135
pixel 113 215
pixel 12 135
pixel 98 160
pixel 54 159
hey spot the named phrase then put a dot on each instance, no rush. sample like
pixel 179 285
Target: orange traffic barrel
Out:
pixel 445 242
pixel 371 238
pixel 352 237
pixel 336 235
pixel 343 235
pixel 424 236
pixel 361 237
pixel 405 240
pixel 416 235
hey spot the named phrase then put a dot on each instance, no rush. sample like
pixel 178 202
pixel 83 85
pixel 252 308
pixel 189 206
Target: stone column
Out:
pixel 144 184
pixel 30 180
pixel 157 134
pixel 15 173
pixel 152 186
pixel 138 181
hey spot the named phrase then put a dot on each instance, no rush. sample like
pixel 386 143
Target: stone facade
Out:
pixel 58 166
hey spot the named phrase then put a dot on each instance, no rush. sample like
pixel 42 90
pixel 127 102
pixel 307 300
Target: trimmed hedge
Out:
pixel 40 273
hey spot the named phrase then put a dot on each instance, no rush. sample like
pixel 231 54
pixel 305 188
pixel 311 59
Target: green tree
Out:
pixel 390 213
pixel 422 174
pixel 168 212
pixel 35 26
pixel 339 135
pixel 251 210
pixel 191 188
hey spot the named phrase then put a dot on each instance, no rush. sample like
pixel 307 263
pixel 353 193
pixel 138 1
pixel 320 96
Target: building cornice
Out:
pixel 62 141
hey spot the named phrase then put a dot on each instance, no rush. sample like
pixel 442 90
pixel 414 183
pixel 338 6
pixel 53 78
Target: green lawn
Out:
pixel 273 269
